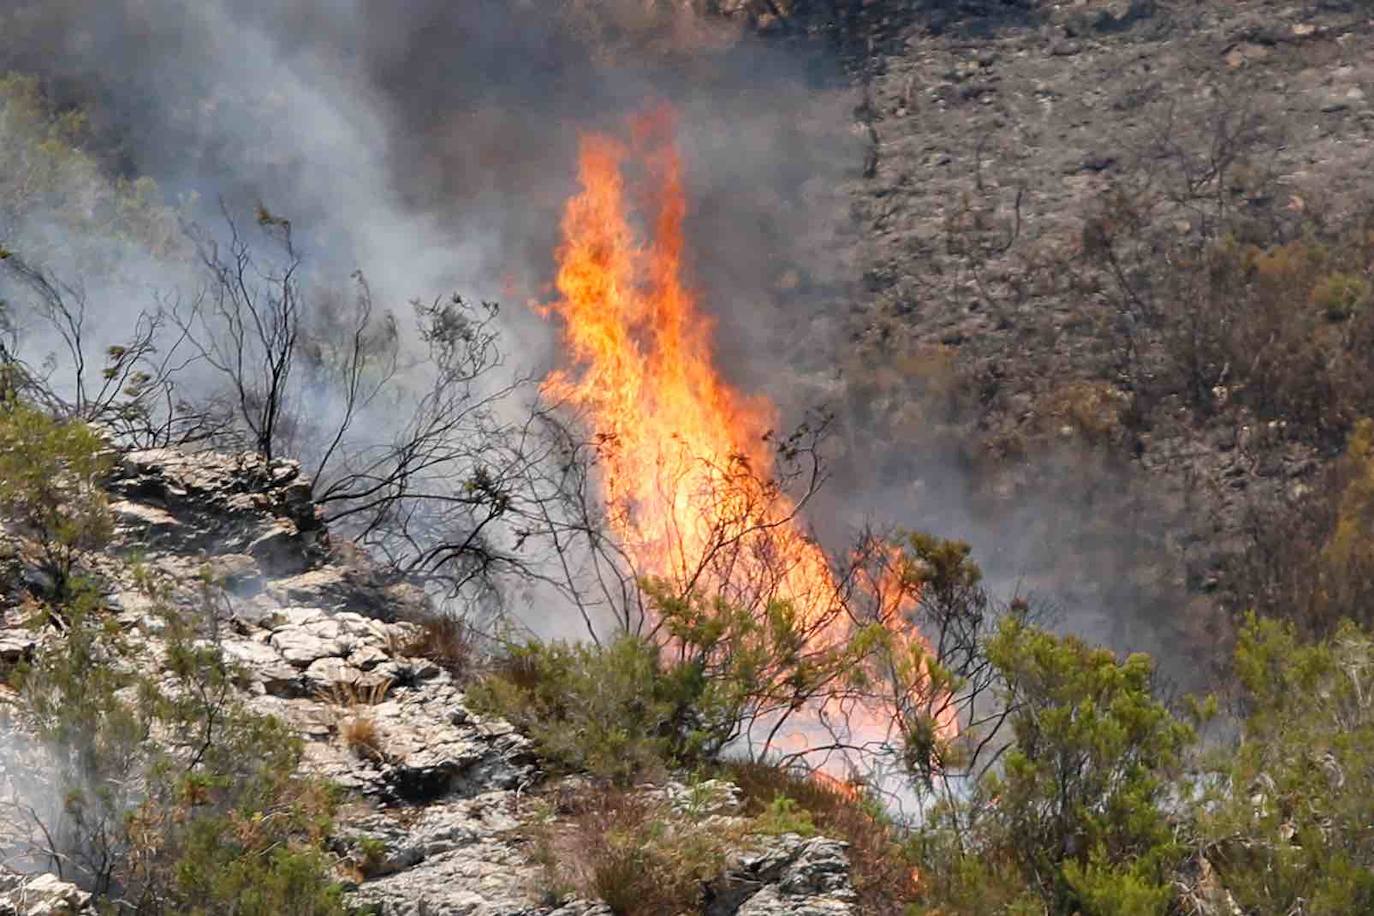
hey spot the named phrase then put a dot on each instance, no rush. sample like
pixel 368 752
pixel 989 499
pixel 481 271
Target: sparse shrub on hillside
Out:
pixel 1281 328
pixel 50 487
pixel 445 639
pixel 613 711
pixel 1340 295
pixel 708 672
pixel 1345 563
pixel 1094 411
pixel 635 853
pixel 161 790
pixel 785 815
pixel 1309 556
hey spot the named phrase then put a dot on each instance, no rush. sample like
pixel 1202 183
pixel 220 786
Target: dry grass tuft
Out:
pixel 882 870
pixel 444 639
pixel 634 853
pixel 362 736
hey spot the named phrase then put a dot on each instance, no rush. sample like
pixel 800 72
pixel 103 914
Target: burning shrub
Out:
pixel 707 673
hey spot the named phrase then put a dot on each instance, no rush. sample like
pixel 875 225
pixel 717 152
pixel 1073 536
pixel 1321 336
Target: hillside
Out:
pixel 1044 186
pixel 438 807
pixel 687 458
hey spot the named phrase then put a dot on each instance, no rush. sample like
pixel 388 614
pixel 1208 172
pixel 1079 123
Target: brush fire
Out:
pixel 687 462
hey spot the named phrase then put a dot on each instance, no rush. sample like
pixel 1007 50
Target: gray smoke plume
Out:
pixel 431 144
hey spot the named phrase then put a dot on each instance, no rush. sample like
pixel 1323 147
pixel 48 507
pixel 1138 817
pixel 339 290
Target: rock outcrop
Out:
pixel 438 797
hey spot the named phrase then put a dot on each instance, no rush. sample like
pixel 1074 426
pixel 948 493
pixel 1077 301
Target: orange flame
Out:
pixel 841 787
pixel 685 462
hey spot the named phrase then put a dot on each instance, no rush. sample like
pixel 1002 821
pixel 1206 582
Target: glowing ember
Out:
pixel 685 462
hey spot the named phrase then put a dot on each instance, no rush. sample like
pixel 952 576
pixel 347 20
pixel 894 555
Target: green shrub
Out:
pixel 785 815
pixel 1340 295
pixel 615 711
pixel 50 487
pixel 1073 818
pixel 1289 820
pixel 175 798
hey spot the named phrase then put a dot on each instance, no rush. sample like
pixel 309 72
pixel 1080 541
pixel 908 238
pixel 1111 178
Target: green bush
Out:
pixel 1288 821
pixel 1340 295
pixel 50 487
pixel 1072 821
pixel 639 703
pixel 615 711
pixel 175 798
pixel 785 815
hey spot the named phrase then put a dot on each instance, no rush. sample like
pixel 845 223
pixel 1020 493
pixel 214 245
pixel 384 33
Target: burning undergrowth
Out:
pixel 687 468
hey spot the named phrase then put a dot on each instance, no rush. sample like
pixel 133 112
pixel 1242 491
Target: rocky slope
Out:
pixel 437 794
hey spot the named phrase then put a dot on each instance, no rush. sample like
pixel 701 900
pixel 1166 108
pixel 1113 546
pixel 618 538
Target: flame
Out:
pixel 843 788
pixel 685 461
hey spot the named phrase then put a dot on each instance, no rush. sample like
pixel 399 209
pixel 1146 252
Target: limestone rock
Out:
pixel 44 895
pixel 789 875
pixel 264 665
pixel 437 811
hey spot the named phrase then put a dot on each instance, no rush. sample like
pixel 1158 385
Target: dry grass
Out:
pixel 881 870
pixel 358 728
pixel 1094 411
pixel 634 853
pixel 355 694
pixel 644 859
pixel 445 640
pixel 362 736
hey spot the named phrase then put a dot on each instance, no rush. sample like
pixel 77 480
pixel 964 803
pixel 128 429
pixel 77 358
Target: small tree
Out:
pixel 50 487
pixel 248 326
pixel 1072 821
pixel 1288 822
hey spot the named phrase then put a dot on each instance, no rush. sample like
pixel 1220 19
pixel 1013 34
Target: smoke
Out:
pixel 431 144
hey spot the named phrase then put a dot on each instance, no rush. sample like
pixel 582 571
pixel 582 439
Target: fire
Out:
pixel 841 787
pixel 685 462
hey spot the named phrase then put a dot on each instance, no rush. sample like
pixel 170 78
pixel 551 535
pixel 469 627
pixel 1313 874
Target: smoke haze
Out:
pixel 431 144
